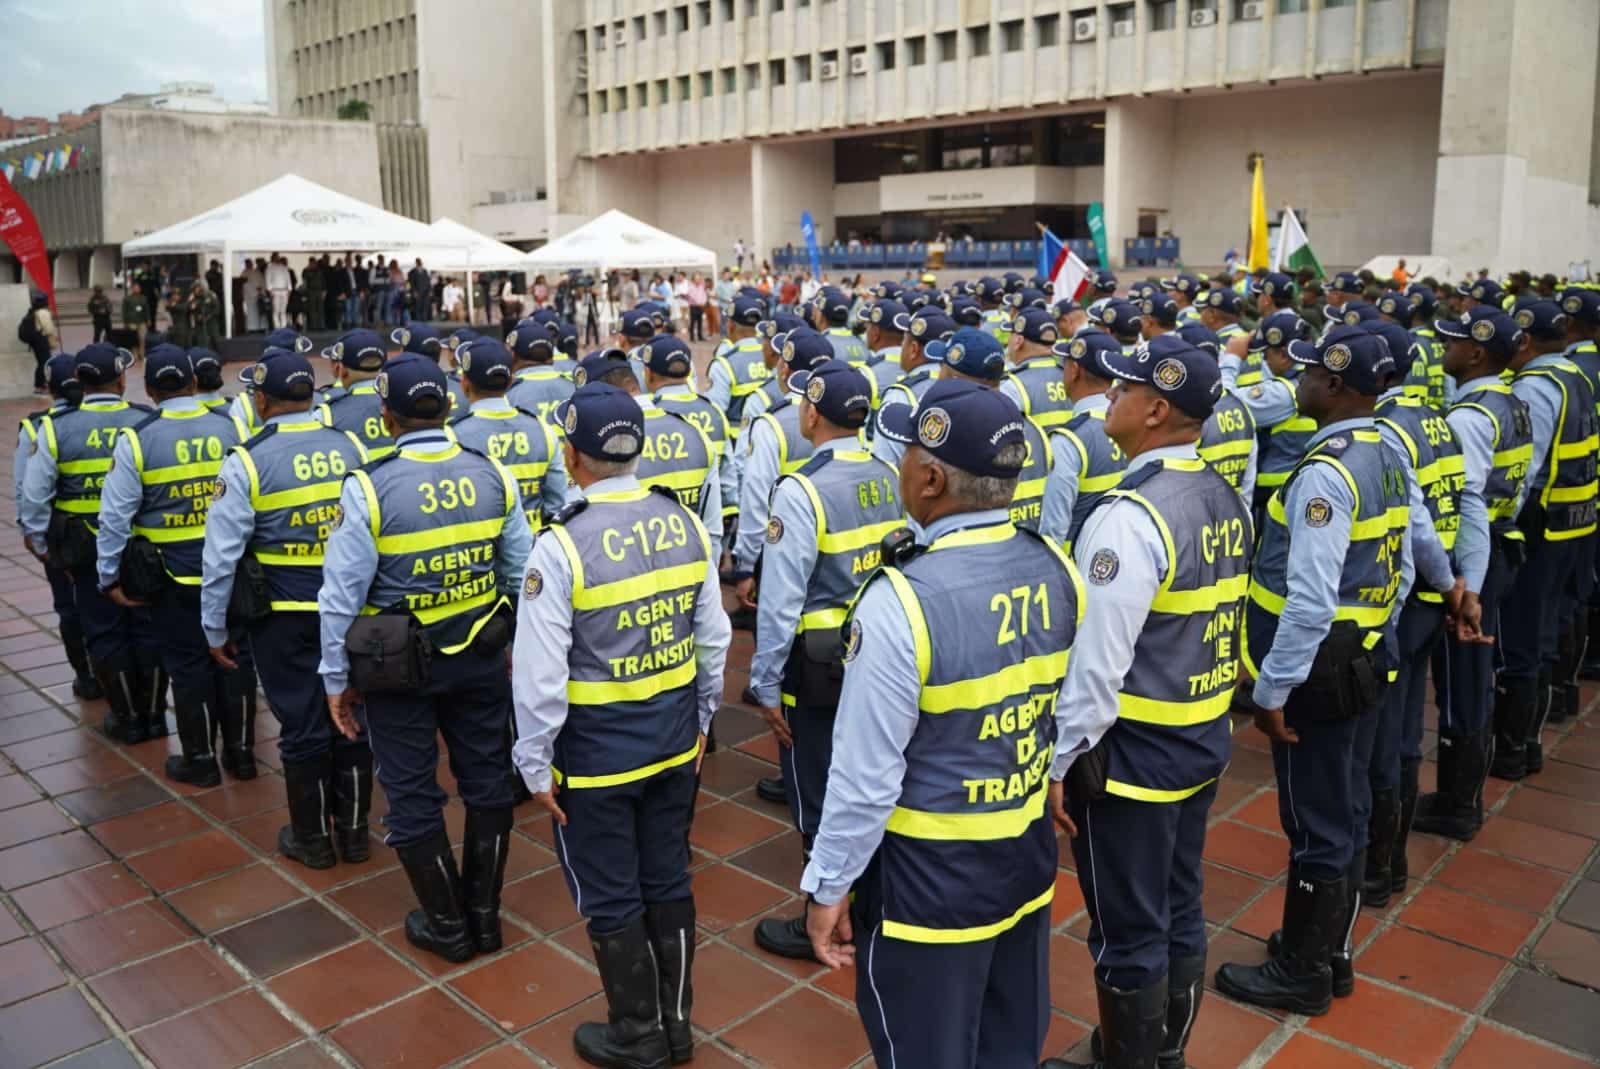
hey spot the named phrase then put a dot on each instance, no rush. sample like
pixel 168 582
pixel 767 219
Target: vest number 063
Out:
pixel 1025 600
pixel 447 494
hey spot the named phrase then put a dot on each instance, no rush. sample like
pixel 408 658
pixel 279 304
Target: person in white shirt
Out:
pixel 454 299
pixel 278 286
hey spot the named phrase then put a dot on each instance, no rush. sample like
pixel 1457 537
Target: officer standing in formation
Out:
pixel 1034 382
pixel 525 445
pixel 428 547
pixel 918 330
pixel 671 390
pixel 1087 462
pixel 1228 441
pixel 885 340
pixel 536 387
pixel 1273 402
pixel 610 736
pixel 357 358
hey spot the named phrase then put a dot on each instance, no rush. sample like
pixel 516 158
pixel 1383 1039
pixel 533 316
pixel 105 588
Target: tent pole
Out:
pixel 227 290
pixel 471 312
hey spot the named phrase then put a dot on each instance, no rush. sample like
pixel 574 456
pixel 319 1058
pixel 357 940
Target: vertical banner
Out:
pixel 1259 254
pixel 20 232
pixel 808 230
pixel 1097 231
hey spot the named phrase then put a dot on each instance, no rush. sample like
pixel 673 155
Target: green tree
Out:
pixel 355 108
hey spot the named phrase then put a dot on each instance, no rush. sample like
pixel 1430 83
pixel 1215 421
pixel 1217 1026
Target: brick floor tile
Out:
pixel 277 941
pixel 1248 849
pixel 833 1035
pixel 1554 811
pixel 1226 891
pixel 1227 945
pixel 160 987
pixel 435 966
pixel 105 940
pixel 300 1056
pixel 1564 1014
pixel 1264 915
pixel 728 772
pixel 763 747
pixel 322 881
pixel 1559 777
pixel 237 1030
pixel 35 820
pixel 743 937
pixel 1260 812
pixel 725 828
pixel 16 790
pixel 235 897
pixel 527 855
pixel 421 1032
pixel 112 1055
pixel 1502 879
pixel 1468 920
pixel 1495 1048
pixel 26 640
pixel 527 985
pixel 505 1056
pixel 1430 966
pixel 236 799
pixel 1306 1051
pixel 98 766
pixel 148 828
pixel 111 800
pixel 44 858
pixel 189 860
pixel 9 927
pixel 46 1027
pixel 1570 952
pixel 552 1040
pixel 345 983
pixel 261 829
pixel 1225 1034
pixel 78 894
pixel 26 969
pixel 542 900
pixel 1063 1035
pixel 26 726
pixel 52 748
pixel 1072 978
pixel 1530 842
pixel 724 896
pixel 776 860
pixel 728 985
pixel 1582 906
pixel 380 902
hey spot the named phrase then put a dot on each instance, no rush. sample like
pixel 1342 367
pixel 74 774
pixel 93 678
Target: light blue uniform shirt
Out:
pixel 19 460
pixel 1113 615
pixel 120 496
pixel 1316 561
pixel 351 561
pixel 883 447
pixel 1274 402
pixel 539 670
pixel 1543 399
pixel 727 471
pixel 720 392
pixel 553 491
pixel 710 510
pixel 877 718
pixel 785 573
pixel 1061 486
pixel 39 486
pixel 1475 434
pixel 756 480
pixel 1428 553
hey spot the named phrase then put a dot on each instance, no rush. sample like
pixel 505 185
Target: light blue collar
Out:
pixel 958 520
pixel 1188 451
pixel 1343 426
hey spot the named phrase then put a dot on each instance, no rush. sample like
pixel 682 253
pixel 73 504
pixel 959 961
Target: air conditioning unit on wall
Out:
pixel 619 38
pixel 1122 29
pixel 1083 28
pixel 1250 10
pixel 1202 17
pixel 828 69
pixel 858 63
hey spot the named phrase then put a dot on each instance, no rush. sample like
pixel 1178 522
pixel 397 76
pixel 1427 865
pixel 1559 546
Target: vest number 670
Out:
pixel 1026 599
pixel 447 494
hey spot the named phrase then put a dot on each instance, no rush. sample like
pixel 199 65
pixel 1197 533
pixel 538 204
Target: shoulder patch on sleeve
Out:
pixel 533 585
pixel 1103 567
pixel 852 642
pixel 338 518
pixel 1319 511
pixel 1257 392
pixel 774 531
pixel 219 488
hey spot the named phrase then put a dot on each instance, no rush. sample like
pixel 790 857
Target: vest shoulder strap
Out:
pixel 571 509
pixel 143 423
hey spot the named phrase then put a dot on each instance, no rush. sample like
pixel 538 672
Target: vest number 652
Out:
pixel 447 494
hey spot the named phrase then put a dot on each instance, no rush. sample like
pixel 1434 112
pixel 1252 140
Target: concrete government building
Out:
pixel 1464 128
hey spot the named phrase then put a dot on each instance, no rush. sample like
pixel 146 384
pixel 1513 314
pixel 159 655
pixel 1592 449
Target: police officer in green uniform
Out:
pixel 135 313
pixel 611 729
pixel 179 310
pixel 525 445
pixel 1087 463
pixel 416 614
pixel 357 358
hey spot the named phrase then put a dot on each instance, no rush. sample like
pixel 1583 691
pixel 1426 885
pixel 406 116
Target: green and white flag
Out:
pixel 1294 248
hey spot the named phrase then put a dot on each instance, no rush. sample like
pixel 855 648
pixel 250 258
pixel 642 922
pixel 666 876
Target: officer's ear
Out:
pixel 391 426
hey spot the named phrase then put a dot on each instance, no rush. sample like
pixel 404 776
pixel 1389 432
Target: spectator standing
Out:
pixel 630 290
pixel 739 253
pixel 697 307
pixel 421 292
pixel 541 292
pixel 38 332
pixel 278 286
pixel 100 312
pixel 454 298
pixel 788 294
pixel 214 280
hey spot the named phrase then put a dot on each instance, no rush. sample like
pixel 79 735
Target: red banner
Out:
pixel 20 231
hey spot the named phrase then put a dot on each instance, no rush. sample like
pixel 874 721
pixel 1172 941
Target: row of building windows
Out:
pixel 391 99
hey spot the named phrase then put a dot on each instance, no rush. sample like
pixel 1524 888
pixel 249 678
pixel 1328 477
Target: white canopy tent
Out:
pixel 618 240
pixel 289 214
pixel 463 249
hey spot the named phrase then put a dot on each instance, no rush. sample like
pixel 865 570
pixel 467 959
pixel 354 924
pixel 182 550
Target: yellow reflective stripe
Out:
pixel 533 470
pixel 690 479
pixel 1099 483
pixel 433 614
pixel 574 558
pixel 1237 448
pixel 300 495
pixel 1568 494
pixel 975 536
pixel 1517 455
pixel 90 506
pixel 916 933
pixel 638 588
pixel 313 559
pixel 618 496
pixel 1366 616
pixel 860 538
pixel 1293 423
pixel 1028 489
pixel 293 606
pixel 179 472
pixel 439 537
pixel 171 534
pixel 1564 536
pixel 48 426
pixel 1575 450
pixel 632 775
pixel 1201 599
pixel 420 457
pixel 608 692
pixel 84 467
pixel 968 827
pixel 184 580
pixel 1043 669
pixel 369 492
pixel 823 618
pixel 920 639
pixel 788 699
pixel 1391 519
pixel 1152 794
pixel 31 431
pixel 1173 714
pixel 1272 478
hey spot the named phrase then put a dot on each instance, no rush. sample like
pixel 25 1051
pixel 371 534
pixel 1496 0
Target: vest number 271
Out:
pixel 1020 603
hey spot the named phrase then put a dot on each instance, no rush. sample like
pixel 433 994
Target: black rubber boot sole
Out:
pixel 314 855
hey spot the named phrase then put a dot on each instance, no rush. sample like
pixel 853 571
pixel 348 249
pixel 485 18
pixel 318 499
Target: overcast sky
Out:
pixel 63 55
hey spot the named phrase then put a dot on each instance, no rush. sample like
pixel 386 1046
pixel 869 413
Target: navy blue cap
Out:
pixel 1036 325
pixel 1355 313
pixel 1187 377
pixel 285 338
pixel 100 363
pixel 1395 337
pixel 834 304
pixel 415 387
pixel 203 359
pixel 1013 280
pixel 1160 307
pixel 167 368
pixel 1029 297
pixel 597 365
pixel 637 323
pixel 803 349
pixel 1581 304
pixel 1138 291
pixel 486 363
pixel 1423 300
pixel 359 350
pixel 888 290
pixel 966 312
pixel 1201 337
pixel 1486 325
pixel 545 315
pixel 1274 284
pixel 1541 319
pixel 917 298
pixel 1105 282
pixel 927 324
pixel 602 421
pixel 747 311
pixel 972 352
pixel 781 323
pixel 885 314
pixel 422 338
pixel 989 288
pixel 963 424
pixel 530 340
pixel 60 371
pixel 465 335
pixel 840 393
pixel 1116 315
pixel 1223 299
pixel 1277 330
pixel 1346 282
pixel 1088 350
pixel 1396 305
pixel 669 356
pixel 566 335
pixel 753 292
pixel 1183 282
pixel 1361 359
pixel 1486 290
pixel 1064 307
pixel 283 374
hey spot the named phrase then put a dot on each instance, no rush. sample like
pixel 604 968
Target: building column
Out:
pixel 786 179
pixel 1140 132
pixel 1512 188
pixel 102 265
pixel 64 273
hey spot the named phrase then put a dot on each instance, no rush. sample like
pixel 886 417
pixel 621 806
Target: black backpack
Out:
pixel 28 330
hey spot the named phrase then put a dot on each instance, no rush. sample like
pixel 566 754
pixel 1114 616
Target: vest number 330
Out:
pixel 447 494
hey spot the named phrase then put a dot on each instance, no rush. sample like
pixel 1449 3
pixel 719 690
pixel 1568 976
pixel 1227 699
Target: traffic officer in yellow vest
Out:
pixel 885 342
pixel 1583 315
pixel 1167 559
pixel 357 358
pixel 1424 302
pixel 152 529
pixel 1557 514
pixel 830 315
pixel 1333 557
pixel 1070 316
pixel 428 547
pixel 827 521
pixel 1424 357
pixel 919 371
pixel 1274 291
pixel 670 386
pixel 1220 310
pixel 242 408
pixel 1282 431
pixel 269 520
pixel 1491 426
pixel 997 316
pixel 208 379
pixel 1342 288
pixel 59 514
pixel 1185 289
pixel 1228 439
pixel 1087 462
pixel 1119 318
pixel 771 390
pixel 1033 380
pixel 524 444
pixel 422 339
pixel 954 662
pixel 737 368
pixel 536 386
pixel 611 728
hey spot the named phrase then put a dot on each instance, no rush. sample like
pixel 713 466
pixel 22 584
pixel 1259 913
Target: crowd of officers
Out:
pixel 1009 564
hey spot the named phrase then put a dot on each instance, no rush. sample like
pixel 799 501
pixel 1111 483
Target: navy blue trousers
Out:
pixel 627 847
pixel 805 764
pixel 109 631
pixel 1532 615
pixel 1139 867
pixel 467 700
pixel 287 647
pixel 979 1005
pixel 63 597
pixel 1398 743
pixel 1315 803
pixel 1463 676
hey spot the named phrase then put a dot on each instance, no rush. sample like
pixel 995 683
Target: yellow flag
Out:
pixel 1258 220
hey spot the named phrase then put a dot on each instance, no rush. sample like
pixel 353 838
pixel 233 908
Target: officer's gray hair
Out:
pixel 610 469
pixel 982 491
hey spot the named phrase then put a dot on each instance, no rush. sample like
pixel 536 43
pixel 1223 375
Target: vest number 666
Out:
pixel 447 494
pixel 318 465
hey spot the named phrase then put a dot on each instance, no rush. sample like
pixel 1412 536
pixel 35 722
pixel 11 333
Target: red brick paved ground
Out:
pixel 145 923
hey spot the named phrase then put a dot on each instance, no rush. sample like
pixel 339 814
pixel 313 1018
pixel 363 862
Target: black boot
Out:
pixel 236 718
pixel 1342 958
pixel 1383 830
pixel 1533 747
pixel 1570 649
pixel 1399 865
pixel 1589 662
pixel 1298 978
pixel 151 696
pixel 305 838
pixel 786 938
pixel 772 790
pixel 633 1037
pixel 483 871
pixel 84 684
pixel 1516 702
pixel 1186 986
pixel 352 800
pixel 671 927
pixel 440 926
pixel 121 723
pixel 1454 810
pixel 198 765
pixel 1133 1026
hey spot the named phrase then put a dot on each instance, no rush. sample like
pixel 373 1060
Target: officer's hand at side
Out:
pixel 225 654
pixel 119 598
pixel 546 800
pixel 1058 808
pixel 342 707
pixel 1469 622
pixel 1452 599
pixel 780 727
pixel 745 589
pixel 829 929
pixel 1271 724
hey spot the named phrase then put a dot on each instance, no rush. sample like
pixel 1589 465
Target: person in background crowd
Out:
pixel 100 313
